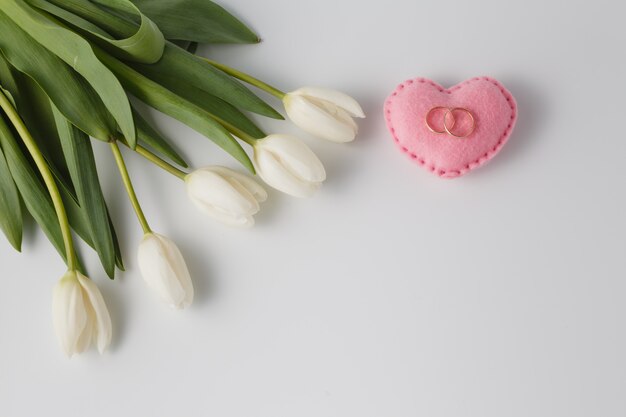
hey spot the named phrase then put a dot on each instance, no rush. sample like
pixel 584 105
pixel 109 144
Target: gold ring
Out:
pixel 448 129
pixel 432 129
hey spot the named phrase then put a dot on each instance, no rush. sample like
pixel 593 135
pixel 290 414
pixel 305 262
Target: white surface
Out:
pixel 392 293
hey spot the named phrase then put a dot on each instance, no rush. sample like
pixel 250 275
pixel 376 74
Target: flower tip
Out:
pixel 359 113
pixel 102 346
pixel 183 305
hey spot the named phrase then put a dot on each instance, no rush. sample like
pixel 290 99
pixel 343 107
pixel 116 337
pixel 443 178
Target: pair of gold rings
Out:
pixel 450 121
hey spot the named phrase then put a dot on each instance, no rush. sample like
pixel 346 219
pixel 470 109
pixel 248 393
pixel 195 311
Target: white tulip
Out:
pixel 287 164
pixel 225 195
pixel 164 270
pixel 80 315
pixel 324 113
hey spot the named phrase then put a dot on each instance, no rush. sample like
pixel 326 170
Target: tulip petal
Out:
pixel 218 193
pixel 253 187
pixel 206 187
pixel 163 268
pixel 317 118
pixel 101 320
pixel 241 221
pixel 180 266
pixel 229 219
pixel 295 156
pixel 337 98
pixel 157 271
pixel 278 176
pixel 87 336
pixel 68 312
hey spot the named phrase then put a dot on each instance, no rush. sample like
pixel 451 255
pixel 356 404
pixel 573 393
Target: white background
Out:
pixel 392 292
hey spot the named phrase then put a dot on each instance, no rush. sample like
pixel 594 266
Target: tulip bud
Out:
pixel 164 270
pixel 225 195
pixel 287 164
pixel 324 113
pixel 80 315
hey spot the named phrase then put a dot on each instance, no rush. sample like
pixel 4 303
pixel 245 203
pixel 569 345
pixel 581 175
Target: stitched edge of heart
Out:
pixel 486 157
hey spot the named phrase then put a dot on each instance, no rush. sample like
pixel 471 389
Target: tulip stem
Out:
pixel 48 178
pixel 248 79
pixel 249 140
pixel 160 162
pixel 121 165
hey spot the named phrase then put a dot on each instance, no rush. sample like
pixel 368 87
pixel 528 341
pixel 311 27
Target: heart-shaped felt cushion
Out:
pixel 493 108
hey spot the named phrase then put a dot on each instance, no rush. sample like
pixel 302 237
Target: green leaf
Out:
pixel 78 53
pixel 119 261
pixel 192 48
pixel 82 166
pixel 34 108
pixel 177 63
pixel 35 196
pixel 142 44
pixel 211 104
pixel 10 207
pixel 80 224
pixel 8 83
pixel 148 135
pixel 196 20
pixel 69 91
pixel 175 106
pixel 77 218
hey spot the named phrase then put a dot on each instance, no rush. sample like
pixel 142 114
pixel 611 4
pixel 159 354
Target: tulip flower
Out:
pixel 225 195
pixel 80 315
pixel 287 164
pixel 164 270
pixel 324 113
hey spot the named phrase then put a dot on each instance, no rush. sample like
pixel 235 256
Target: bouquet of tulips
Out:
pixel 67 69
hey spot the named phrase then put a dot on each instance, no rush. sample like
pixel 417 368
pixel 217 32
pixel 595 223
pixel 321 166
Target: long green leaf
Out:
pixel 210 104
pixel 78 53
pixel 33 192
pixel 119 261
pixel 67 89
pixel 196 20
pixel 177 63
pixel 169 103
pixel 35 110
pixel 148 135
pixel 7 77
pixel 82 166
pixel 143 43
pixel 80 224
pixel 192 48
pixel 10 207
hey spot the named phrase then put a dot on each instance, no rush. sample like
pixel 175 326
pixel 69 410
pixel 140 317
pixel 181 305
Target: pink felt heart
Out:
pixel 492 106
